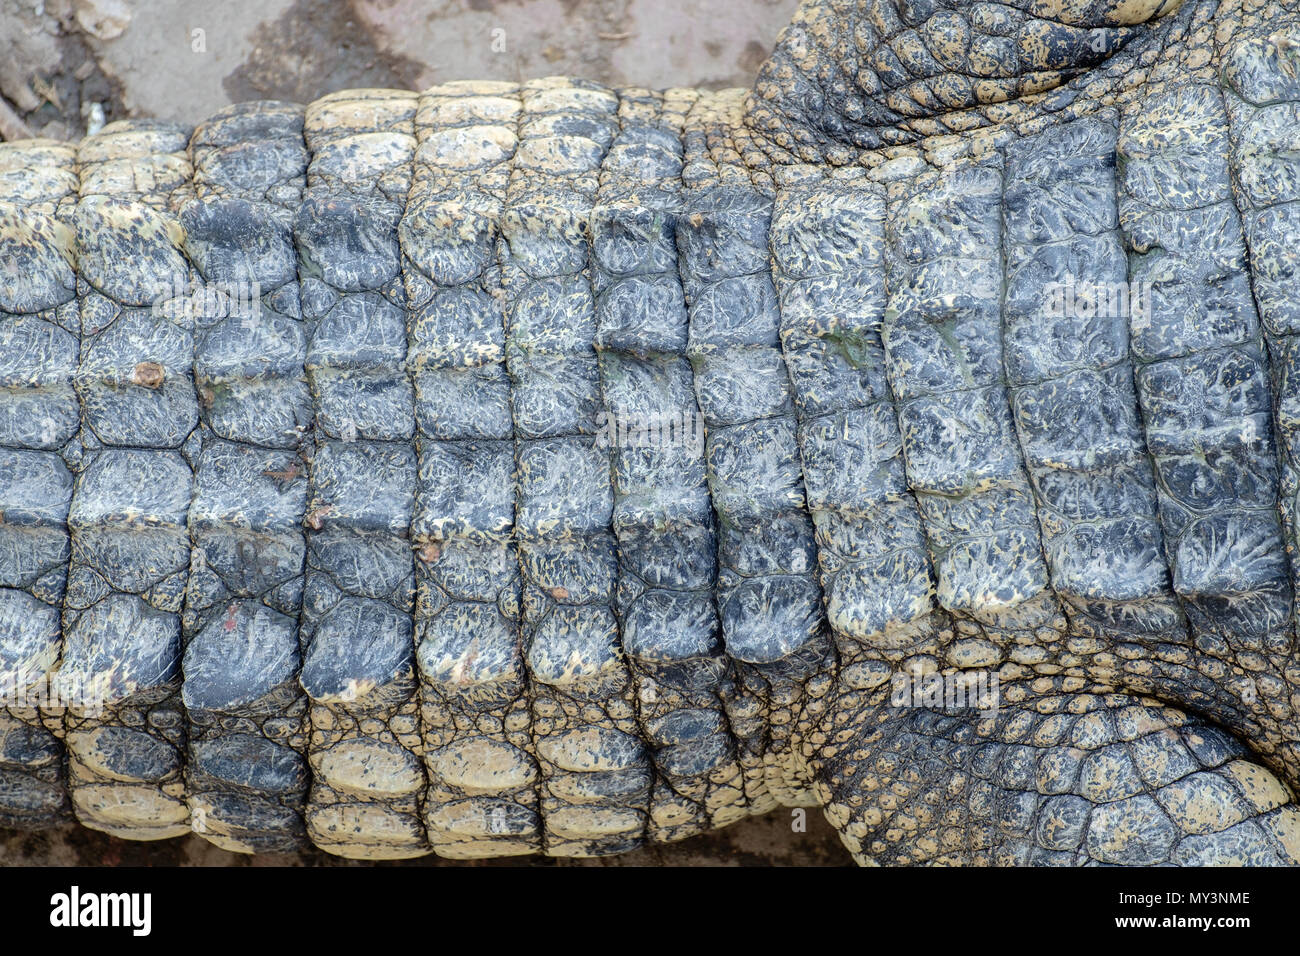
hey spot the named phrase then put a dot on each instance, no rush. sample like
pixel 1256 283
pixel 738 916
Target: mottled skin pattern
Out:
pixel 397 554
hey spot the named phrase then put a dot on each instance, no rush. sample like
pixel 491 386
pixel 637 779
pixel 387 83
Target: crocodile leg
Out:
pixel 1055 777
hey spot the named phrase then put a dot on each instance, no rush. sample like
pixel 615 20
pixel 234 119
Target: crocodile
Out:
pixel 546 468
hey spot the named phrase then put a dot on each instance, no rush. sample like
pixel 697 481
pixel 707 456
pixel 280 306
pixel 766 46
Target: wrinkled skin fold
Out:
pixel 545 468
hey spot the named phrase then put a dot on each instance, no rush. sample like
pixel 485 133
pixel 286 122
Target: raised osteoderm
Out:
pixel 547 468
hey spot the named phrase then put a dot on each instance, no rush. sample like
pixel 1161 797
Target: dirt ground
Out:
pixel 69 65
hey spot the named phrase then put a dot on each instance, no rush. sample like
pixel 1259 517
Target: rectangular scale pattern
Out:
pixel 770 605
pixel 1068 310
pixel 827 243
pixel 595 774
pixel 474 701
pixel 39 417
pixel 356 627
pixel 942 334
pixel 1203 383
pixel 1066 319
pixel 246 772
pixel 130 541
pixel 1262 95
pixel 655 435
pixel 539 468
pixel 1263 106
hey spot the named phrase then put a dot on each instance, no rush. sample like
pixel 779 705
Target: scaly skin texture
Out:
pixel 545 468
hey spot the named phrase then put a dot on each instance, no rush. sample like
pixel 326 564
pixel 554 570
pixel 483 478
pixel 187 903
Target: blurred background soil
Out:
pixel 71 65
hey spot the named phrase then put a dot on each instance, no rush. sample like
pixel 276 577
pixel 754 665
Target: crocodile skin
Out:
pixel 135 478
pixel 542 468
pixel 474 702
pixel 39 328
pixel 246 778
pixel 356 627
